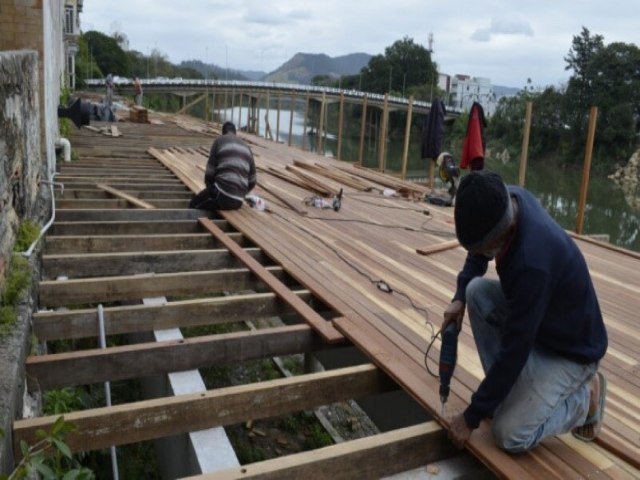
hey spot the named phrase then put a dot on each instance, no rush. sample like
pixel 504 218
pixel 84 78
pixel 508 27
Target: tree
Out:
pixel 107 54
pixel 607 77
pixel 583 49
pixel 578 97
pixel 402 70
pixel 614 76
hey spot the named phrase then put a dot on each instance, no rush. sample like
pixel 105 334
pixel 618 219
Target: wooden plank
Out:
pixel 394 361
pixel 131 263
pixel 129 198
pixel 54 293
pixel 85 367
pixel 81 323
pixel 133 243
pixel 376 456
pixel 129 215
pixel 322 326
pixel 150 419
pixel 129 228
pixel 439 247
pixel 316 184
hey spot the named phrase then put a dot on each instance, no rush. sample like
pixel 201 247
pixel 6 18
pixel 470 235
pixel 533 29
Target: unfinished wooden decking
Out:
pixel 123 233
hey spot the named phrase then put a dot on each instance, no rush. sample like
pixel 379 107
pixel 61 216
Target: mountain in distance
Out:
pixel 214 71
pixel 300 69
pixel 501 91
pixel 304 66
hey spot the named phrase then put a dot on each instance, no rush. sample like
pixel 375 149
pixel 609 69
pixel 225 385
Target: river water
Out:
pixel 607 212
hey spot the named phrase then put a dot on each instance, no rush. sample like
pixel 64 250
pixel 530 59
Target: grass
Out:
pixel 18 279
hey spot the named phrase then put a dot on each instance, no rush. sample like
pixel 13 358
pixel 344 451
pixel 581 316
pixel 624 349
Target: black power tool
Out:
pixel 448 357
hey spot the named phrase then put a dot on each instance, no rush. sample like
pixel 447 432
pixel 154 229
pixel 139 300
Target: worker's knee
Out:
pixel 511 437
pixel 475 289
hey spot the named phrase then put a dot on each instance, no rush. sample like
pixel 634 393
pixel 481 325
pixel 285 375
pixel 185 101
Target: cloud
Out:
pixel 503 26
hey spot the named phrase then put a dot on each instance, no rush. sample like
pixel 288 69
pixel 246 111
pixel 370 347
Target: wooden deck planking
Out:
pixel 603 263
pixel 387 327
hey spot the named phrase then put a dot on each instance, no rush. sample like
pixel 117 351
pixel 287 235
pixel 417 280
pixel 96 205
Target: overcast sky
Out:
pixel 504 40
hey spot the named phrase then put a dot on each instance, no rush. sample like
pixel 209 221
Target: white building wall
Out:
pixel 53 59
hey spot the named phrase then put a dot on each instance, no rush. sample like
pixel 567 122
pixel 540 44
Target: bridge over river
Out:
pixel 242 102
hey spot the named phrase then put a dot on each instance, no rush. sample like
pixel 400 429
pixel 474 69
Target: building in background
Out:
pixel 72 10
pixel 51 29
pixel 464 90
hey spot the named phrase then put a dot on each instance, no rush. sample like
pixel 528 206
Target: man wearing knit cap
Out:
pixel 538 328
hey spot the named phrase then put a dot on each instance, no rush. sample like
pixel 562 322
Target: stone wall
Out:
pixel 21 197
pixel 37 25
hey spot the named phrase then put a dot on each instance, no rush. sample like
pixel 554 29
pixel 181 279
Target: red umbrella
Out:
pixel 474 144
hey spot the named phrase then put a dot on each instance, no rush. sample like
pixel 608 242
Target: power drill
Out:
pixel 337 201
pixel 448 357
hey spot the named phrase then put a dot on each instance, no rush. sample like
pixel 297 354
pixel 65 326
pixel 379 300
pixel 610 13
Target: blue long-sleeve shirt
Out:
pixel 551 301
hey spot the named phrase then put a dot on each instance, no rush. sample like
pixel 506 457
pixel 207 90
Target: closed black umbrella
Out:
pixel 433 131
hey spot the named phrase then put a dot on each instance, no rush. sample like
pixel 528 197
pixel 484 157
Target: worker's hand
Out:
pixel 459 433
pixel 454 313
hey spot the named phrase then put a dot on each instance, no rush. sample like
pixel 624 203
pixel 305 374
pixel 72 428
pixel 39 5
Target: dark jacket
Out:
pixel 231 167
pixel 552 302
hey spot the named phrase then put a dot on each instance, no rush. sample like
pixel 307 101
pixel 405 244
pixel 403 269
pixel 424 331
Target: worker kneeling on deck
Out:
pixel 230 174
pixel 538 328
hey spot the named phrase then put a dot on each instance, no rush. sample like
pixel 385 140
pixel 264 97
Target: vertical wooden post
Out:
pixel 340 124
pixel 258 114
pixel 407 138
pixel 267 127
pixel 213 104
pixel 206 106
pixel 320 125
pixel 304 127
pixel 240 112
pixel 278 119
pixel 224 107
pixel 432 171
pixel 593 115
pixel 233 104
pixel 363 126
pixel 383 134
pixel 291 112
pixel 525 144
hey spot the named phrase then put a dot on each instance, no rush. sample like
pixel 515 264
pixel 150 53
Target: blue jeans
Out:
pixel 551 395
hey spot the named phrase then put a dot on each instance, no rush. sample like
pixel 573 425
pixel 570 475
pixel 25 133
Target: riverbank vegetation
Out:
pixel 606 76
pixel 603 75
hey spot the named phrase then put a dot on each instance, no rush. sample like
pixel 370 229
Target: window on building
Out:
pixel 68 20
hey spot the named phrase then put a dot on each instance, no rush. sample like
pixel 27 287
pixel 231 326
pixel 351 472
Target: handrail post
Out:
pixel 525 143
pixel 586 169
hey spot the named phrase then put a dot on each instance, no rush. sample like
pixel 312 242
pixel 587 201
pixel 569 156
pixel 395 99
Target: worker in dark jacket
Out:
pixel 230 173
pixel 538 328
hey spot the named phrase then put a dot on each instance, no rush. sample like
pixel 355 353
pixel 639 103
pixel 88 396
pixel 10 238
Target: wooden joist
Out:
pixel 129 215
pixel 372 457
pixel 322 326
pixel 85 367
pixel 150 419
pixel 128 228
pixel 69 244
pixel 83 322
pixel 54 293
pixel 126 263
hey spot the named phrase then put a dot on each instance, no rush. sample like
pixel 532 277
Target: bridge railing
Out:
pixel 161 82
